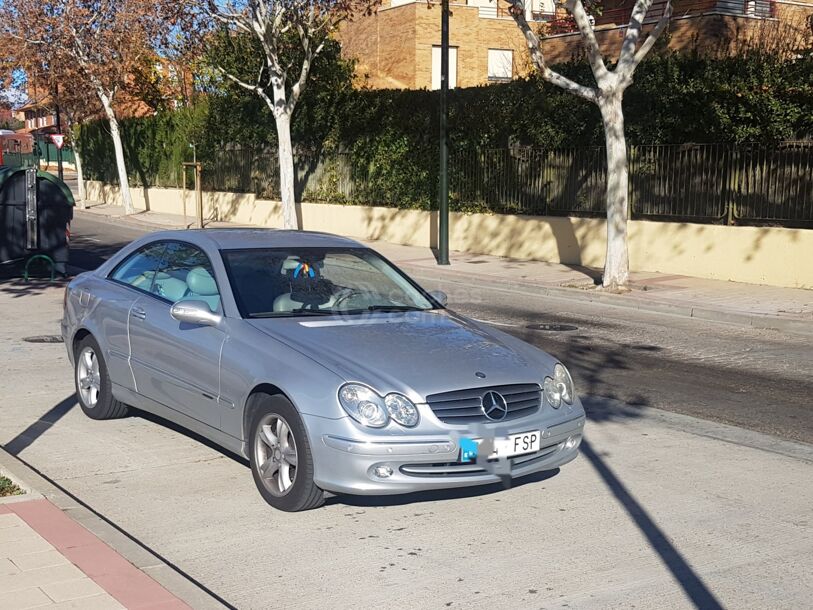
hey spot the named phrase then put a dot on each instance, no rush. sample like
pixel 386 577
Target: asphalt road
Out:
pixel 755 379
pixel 661 510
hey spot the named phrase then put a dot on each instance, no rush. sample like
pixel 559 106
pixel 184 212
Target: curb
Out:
pixel 131 220
pixel 756 321
pixel 144 559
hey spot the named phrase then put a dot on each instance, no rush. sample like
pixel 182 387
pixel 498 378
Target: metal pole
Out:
pixel 58 130
pixel 443 203
pixel 199 191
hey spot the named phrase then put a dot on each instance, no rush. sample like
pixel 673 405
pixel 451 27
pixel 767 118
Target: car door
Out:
pixel 112 302
pixel 174 363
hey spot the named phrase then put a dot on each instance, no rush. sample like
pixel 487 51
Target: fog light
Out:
pixel 383 472
pixel 573 441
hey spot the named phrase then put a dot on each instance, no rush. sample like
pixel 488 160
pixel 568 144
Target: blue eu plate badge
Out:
pixel 468 450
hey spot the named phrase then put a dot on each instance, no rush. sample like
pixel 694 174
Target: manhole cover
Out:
pixel 555 328
pixel 43 339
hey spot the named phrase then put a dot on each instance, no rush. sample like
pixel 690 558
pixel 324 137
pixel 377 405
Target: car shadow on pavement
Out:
pixel 160 421
pixel 438 494
pixel 27 437
pixel 691 583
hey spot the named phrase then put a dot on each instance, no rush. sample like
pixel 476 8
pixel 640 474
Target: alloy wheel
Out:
pixel 88 378
pixel 276 454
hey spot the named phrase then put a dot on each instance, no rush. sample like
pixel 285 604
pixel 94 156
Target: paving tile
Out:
pixel 134 590
pixel 8 518
pixel 98 602
pixel 13 534
pixel 170 605
pixel 97 559
pixel 53 525
pixel 72 589
pixel 39 577
pixel 33 597
pixel 7 567
pixel 42 559
pixel 20 547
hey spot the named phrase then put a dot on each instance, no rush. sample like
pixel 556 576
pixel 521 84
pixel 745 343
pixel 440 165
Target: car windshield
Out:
pixel 278 282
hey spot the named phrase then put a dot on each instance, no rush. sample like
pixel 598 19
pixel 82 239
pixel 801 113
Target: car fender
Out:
pixel 251 359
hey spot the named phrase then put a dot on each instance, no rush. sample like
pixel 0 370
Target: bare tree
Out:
pixel 607 94
pixel 96 44
pixel 283 71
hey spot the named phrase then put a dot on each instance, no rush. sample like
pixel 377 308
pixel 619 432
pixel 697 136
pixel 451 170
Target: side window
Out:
pixel 185 274
pixel 138 269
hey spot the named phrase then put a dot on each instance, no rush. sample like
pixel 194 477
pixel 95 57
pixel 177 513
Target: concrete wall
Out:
pixel 758 255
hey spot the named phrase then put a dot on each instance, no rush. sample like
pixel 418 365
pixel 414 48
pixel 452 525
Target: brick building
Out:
pixel 399 46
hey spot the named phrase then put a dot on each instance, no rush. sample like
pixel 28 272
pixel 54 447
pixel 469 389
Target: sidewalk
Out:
pixel 767 307
pixel 50 558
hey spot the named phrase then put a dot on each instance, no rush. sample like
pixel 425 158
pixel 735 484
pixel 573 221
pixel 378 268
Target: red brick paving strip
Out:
pixel 121 579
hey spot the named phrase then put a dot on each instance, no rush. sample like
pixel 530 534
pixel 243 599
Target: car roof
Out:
pixel 236 239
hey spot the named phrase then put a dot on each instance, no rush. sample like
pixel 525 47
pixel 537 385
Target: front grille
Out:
pixel 464 406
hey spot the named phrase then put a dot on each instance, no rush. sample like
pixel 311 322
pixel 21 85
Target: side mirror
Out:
pixel 195 312
pixel 440 296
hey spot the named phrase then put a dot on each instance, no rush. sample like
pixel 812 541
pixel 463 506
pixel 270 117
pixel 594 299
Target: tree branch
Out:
pixel 576 8
pixel 652 38
pixel 517 11
pixel 630 58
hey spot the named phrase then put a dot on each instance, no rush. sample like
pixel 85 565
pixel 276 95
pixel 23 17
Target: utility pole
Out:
pixel 443 195
pixel 58 130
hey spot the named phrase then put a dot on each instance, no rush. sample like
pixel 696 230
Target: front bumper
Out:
pixel 353 463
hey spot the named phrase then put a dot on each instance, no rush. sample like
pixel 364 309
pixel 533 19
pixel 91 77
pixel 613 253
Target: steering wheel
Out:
pixel 344 294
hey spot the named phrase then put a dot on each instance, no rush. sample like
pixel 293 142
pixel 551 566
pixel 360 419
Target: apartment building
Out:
pixel 399 46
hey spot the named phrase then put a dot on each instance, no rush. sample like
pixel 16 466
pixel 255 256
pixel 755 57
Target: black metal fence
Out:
pixel 707 183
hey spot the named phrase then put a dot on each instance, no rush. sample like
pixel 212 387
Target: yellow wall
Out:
pixel 757 255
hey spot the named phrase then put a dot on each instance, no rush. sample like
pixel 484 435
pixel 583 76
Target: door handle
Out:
pixel 138 312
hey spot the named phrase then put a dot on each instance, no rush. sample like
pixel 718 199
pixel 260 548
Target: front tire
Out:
pixel 94 390
pixel 280 455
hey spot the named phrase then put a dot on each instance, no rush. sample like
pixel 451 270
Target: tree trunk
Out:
pixel 616 265
pixel 80 178
pixel 286 172
pixel 124 184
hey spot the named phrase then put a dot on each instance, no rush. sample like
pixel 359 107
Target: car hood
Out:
pixel 416 353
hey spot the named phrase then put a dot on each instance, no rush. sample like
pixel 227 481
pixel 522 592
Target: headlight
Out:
pixel 562 377
pixel 553 393
pixel 401 410
pixel 559 387
pixel 363 405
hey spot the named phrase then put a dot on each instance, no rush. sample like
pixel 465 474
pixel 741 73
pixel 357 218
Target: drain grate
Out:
pixel 554 328
pixel 43 339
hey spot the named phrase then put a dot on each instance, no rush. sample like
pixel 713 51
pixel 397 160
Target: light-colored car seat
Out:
pixel 170 288
pixel 144 280
pixel 201 286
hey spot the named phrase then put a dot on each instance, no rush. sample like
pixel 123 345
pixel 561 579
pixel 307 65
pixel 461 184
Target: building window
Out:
pixel 436 67
pixel 500 64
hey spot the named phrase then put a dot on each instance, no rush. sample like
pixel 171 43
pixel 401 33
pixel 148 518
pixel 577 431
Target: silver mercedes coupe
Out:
pixel 319 361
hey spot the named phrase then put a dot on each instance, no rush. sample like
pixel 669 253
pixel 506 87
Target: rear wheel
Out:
pixel 93 386
pixel 280 455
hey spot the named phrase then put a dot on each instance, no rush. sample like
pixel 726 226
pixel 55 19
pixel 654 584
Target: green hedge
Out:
pixel 390 136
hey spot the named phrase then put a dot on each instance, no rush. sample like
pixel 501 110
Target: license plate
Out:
pixel 513 445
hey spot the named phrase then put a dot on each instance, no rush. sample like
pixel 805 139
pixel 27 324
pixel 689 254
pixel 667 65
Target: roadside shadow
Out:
pixel 12 284
pixel 436 495
pixel 160 421
pixel 691 583
pixel 27 437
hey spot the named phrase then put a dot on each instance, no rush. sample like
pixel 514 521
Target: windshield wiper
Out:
pixel 394 308
pixel 293 312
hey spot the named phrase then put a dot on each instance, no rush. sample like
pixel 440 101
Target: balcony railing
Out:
pixel 562 22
